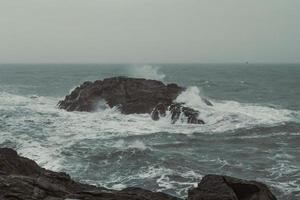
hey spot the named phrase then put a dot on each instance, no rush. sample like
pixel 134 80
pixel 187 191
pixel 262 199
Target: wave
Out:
pixel 222 116
pixel 40 116
pixel 121 144
pixel 165 179
pixel 228 115
pixel 54 138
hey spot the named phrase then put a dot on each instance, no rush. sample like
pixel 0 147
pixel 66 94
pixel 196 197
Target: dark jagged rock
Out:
pixel 22 179
pixel 176 110
pixel 215 187
pixel 192 115
pixel 159 111
pixel 131 95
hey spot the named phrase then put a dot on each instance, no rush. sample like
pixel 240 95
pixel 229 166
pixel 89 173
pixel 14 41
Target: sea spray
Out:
pixel 192 97
pixel 229 115
pixel 146 71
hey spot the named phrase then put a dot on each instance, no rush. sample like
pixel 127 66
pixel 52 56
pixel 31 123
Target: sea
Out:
pixel 252 131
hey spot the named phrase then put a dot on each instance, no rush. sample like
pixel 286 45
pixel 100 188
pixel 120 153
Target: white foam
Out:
pixel 72 89
pixel 230 115
pixel 120 144
pixel 282 170
pixel 43 131
pixel 118 186
pixel 192 98
pixel 107 122
pixel 138 144
pixel 61 128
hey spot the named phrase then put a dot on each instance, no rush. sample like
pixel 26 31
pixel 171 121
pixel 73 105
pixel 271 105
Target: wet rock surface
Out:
pixel 214 187
pixel 178 112
pixel 131 95
pixel 22 179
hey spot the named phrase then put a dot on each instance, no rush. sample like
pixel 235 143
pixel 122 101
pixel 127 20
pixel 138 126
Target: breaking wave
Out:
pixel 55 138
pixel 229 115
pixel 40 113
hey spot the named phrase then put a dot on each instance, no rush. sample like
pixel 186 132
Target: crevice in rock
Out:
pixel 243 191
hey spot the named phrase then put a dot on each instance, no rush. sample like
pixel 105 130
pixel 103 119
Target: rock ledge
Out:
pixel 22 179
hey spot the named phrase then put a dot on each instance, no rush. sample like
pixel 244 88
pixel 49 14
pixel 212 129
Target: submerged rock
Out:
pixel 130 95
pixel 22 179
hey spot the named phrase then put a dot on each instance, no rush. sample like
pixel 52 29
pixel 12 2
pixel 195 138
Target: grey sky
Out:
pixel 146 31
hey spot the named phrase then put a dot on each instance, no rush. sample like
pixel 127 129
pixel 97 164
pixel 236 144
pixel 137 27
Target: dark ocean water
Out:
pixel 251 132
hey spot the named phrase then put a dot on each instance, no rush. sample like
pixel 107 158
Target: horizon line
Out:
pixel 137 63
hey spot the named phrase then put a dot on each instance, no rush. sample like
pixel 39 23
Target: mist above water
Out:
pixel 147 72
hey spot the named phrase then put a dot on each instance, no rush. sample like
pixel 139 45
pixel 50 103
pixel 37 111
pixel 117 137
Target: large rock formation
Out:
pixel 130 95
pixel 22 179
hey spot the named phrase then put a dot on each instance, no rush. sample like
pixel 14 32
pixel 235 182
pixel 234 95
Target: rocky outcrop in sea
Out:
pixel 132 96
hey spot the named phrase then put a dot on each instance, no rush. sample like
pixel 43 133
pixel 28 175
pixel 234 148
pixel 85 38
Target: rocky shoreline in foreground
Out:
pixel 22 179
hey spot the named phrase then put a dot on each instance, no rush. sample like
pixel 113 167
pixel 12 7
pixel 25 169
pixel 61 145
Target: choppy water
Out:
pixel 252 131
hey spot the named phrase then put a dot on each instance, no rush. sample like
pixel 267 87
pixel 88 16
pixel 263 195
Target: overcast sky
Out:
pixel 149 31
